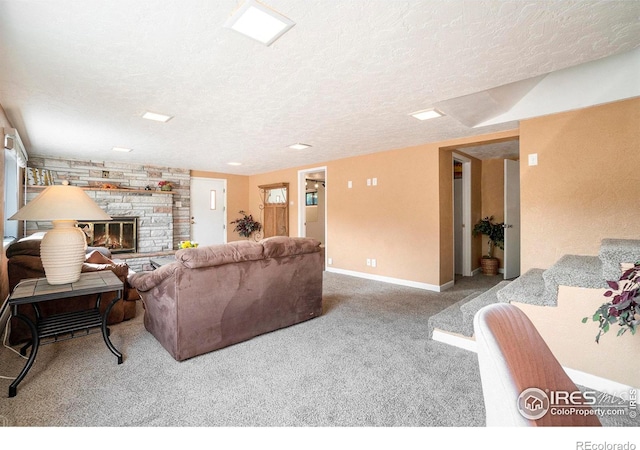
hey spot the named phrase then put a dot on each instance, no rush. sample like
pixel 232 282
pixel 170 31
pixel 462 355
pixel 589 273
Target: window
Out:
pixel 312 198
pixel 11 187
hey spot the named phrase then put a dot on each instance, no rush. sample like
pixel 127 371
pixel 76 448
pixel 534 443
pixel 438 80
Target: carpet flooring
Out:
pixel 366 362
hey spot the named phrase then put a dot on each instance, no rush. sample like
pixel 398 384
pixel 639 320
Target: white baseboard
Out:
pixel 580 378
pixel 398 281
pixel 455 340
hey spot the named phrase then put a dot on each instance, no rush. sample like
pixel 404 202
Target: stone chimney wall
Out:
pixel 163 218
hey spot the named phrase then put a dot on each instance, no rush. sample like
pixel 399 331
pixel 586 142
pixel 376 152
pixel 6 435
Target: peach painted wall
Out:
pixel 395 222
pixel 405 222
pixel 237 197
pixel 583 188
pixel 615 358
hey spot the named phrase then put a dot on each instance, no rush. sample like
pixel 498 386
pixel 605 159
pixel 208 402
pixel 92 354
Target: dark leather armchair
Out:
pixel 23 261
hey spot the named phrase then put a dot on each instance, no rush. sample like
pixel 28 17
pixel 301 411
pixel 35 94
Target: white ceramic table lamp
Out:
pixel 62 250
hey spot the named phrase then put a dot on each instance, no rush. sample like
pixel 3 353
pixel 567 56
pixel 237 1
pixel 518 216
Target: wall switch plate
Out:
pixel 368 181
pixel 374 263
pixel 368 261
pixel 329 261
pixel 533 159
pixel 349 184
pixel 374 181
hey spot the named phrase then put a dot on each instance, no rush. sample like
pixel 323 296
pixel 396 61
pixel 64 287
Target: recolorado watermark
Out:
pixel 534 403
pixel 588 445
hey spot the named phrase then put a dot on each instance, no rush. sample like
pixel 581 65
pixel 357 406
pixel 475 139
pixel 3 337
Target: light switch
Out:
pixel 533 159
pixel 375 181
pixel 349 184
pixel 368 181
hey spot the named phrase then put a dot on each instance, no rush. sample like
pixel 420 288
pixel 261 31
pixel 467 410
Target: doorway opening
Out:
pixel 461 215
pixel 496 193
pixel 312 204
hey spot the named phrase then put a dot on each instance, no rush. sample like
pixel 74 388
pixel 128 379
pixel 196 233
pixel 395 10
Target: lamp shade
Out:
pixel 61 202
pixel 62 249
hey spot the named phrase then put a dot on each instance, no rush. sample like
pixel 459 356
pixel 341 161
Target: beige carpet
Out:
pixel 367 362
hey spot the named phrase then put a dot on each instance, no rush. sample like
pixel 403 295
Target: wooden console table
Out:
pixel 67 325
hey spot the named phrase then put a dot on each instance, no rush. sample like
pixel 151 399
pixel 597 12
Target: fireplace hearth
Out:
pixel 119 235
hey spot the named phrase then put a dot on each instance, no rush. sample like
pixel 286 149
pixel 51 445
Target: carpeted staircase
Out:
pixel 540 287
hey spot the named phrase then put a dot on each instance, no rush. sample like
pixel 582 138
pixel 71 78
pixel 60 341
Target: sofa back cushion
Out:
pixel 216 255
pixel 278 246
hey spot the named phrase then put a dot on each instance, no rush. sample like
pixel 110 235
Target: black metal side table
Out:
pixel 57 327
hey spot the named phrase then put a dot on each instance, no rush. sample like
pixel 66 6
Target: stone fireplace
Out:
pixel 119 235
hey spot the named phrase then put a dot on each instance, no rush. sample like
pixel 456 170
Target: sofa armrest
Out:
pixel 147 280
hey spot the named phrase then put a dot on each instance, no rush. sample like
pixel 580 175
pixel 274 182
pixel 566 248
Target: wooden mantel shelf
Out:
pixel 96 188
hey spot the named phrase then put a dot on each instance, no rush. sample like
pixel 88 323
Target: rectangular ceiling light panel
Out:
pixel 259 22
pixel 427 114
pixel 157 117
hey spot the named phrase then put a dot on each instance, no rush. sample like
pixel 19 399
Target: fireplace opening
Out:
pixel 119 235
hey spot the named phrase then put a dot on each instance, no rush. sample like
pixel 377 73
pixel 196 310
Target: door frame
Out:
pixel 509 253
pixel 466 215
pixel 302 207
pixel 224 205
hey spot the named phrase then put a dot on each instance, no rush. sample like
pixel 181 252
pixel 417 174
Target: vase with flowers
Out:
pixel 165 185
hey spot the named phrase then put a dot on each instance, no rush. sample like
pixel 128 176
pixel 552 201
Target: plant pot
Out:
pixel 489 266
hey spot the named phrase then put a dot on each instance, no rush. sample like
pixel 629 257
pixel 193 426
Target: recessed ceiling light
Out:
pixel 299 146
pixel 157 117
pixel 234 164
pixel 427 114
pixel 259 22
pixel 122 149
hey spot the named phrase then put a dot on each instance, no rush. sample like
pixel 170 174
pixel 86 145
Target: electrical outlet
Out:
pixel 368 261
pixel 330 261
pixel 105 174
pixel 374 181
pixel 349 184
pixel 533 159
pixel 368 181
pixel 374 263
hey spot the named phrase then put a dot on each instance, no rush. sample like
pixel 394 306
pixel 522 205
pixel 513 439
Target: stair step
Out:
pixel 528 288
pixel 450 318
pixel 470 308
pixel 573 270
pixel 614 252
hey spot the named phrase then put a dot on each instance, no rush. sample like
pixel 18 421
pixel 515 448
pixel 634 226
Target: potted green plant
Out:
pixel 495 233
pixel 624 306
pixel 246 225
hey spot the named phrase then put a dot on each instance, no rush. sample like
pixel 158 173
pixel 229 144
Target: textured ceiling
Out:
pixel 76 75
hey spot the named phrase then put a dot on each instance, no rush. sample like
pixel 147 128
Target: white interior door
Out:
pixel 461 193
pixel 458 225
pixel 208 211
pixel 511 219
